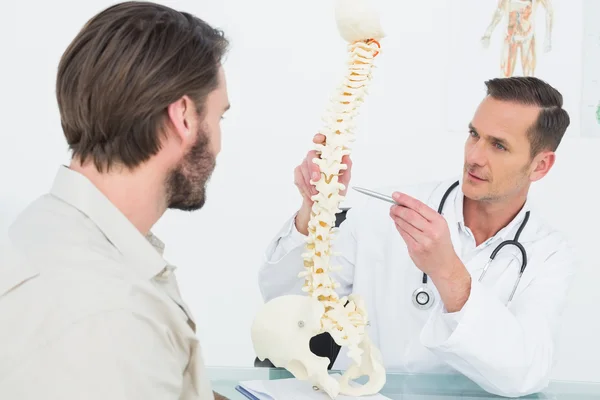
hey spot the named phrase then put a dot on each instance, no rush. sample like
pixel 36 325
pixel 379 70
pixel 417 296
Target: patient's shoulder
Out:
pixel 59 292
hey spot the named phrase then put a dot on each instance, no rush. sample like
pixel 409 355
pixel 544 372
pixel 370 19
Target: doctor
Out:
pixel 419 271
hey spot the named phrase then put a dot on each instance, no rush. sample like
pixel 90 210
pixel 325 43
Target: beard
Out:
pixel 186 184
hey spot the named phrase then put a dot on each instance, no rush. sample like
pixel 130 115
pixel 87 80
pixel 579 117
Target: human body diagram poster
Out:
pixel 503 38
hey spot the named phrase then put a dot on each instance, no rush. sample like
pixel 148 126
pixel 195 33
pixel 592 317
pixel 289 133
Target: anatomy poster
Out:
pixel 503 38
pixel 590 96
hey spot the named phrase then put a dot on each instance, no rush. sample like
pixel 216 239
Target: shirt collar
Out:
pixel 502 233
pixel 145 253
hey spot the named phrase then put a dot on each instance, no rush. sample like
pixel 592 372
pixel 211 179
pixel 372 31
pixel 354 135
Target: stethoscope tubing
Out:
pixel 515 242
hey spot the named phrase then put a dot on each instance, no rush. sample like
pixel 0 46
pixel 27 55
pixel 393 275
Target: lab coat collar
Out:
pixel 145 253
pixel 502 233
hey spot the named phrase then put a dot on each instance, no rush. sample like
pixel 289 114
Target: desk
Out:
pixel 406 386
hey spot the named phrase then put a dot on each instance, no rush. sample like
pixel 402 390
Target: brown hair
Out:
pixel 552 122
pixel 120 73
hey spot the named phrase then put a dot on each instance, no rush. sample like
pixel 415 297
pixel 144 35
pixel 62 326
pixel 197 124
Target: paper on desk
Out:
pixel 294 389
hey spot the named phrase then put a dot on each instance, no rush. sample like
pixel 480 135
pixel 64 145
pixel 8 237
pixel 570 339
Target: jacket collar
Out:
pixel 145 253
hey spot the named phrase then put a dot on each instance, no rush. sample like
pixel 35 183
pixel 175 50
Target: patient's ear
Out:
pixel 182 119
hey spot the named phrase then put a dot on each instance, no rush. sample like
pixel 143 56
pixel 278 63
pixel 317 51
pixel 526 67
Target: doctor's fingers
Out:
pixel 411 217
pixel 302 184
pixel 312 170
pixel 417 242
pixel 421 208
pixel 346 173
pixel 408 239
pixel 319 138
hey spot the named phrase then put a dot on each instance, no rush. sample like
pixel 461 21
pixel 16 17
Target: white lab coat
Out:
pixel 507 351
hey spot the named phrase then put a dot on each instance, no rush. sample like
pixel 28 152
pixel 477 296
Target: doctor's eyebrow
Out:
pixel 494 139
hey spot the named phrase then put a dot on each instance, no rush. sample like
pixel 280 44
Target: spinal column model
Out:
pixel 284 326
pixel 344 324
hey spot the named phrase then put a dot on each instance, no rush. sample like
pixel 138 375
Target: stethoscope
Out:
pixel 423 297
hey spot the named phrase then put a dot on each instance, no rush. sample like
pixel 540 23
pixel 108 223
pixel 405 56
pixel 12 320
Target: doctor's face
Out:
pixel 498 163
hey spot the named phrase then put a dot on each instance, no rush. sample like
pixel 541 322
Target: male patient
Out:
pixel 88 306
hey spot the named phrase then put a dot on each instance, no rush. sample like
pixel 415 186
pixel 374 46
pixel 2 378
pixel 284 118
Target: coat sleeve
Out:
pixel 506 351
pixel 282 261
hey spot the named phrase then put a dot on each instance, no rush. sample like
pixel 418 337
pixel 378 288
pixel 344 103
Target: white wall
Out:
pixel 282 67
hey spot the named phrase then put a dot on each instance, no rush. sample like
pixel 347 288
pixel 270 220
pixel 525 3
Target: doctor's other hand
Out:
pixel 305 177
pixel 427 237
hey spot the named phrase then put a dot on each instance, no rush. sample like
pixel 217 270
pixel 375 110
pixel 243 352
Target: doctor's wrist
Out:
pixel 453 271
pixel 302 219
pixel 454 286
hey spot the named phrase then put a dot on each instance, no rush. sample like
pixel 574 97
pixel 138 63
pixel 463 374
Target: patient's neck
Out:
pixel 137 194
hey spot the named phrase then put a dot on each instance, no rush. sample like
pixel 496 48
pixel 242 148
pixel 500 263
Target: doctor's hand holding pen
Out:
pixel 430 247
pixel 308 171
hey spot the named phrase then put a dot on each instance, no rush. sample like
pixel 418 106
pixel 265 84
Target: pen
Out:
pixel 377 195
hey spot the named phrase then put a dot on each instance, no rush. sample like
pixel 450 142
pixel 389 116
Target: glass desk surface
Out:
pixel 405 386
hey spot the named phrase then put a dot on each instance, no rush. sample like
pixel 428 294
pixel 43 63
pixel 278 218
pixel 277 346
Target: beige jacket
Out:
pixel 89 309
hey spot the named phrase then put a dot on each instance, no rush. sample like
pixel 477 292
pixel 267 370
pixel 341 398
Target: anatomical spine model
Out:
pixel 284 326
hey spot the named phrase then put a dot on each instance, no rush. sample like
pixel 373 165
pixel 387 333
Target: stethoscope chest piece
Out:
pixel 422 298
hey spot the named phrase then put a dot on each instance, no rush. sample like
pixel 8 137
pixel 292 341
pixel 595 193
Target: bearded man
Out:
pixel 89 307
